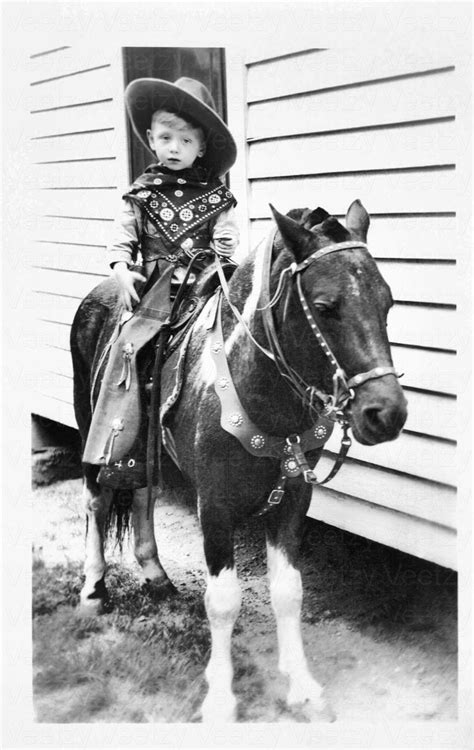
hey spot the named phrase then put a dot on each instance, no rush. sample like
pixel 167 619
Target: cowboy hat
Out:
pixel 190 99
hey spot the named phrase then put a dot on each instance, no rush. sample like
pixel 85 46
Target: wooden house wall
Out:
pixel 78 166
pixel 325 127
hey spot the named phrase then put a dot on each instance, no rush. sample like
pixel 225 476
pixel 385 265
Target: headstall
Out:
pixel 292 448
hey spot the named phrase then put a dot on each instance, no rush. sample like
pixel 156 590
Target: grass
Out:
pixel 110 668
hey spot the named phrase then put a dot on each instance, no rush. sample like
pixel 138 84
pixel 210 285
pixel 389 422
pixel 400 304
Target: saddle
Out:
pixel 132 375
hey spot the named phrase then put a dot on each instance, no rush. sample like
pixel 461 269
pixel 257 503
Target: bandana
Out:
pixel 179 202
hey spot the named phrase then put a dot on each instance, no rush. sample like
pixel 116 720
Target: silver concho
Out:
pixel 186 214
pixel 117 424
pixel 181 181
pixel 291 467
pixel 214 199
pixel 320 431
pixel 178 193
pixel 154 204
pixel 157 181
pixel 187 243
pixel 236 419
pixel 143 194
pixel 166 214
pixel 223 383
pixel 257 441
pixel 217 347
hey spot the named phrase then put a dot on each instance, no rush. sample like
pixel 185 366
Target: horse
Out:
pixel 295 343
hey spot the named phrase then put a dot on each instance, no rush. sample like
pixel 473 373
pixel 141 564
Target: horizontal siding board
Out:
pixel 410 192
pixel 416 497
pixel 55 360
pixel 62 229
pixel 88 87
pixel 71 119
pixel 98 204
pixel 435 328
pixel 68 61
pixel 421 282
pixel 43 333
pixel 387 148
pixel 405 237
pixel 425 369
pixel 406 533
pixel 83 174
pixel 416 455
pixel 77 146
pixel 314 71
pixel 432 414
pixel 69 257
pixel 404 100
pixel 65 282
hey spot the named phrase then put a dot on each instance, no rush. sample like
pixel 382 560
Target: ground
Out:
pixel 379 626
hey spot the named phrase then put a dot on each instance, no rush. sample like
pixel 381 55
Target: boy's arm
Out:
pixel 225 235
pixel 122 252
pixel 125 237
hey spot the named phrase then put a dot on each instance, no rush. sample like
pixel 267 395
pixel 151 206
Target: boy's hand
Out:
pixel 126 280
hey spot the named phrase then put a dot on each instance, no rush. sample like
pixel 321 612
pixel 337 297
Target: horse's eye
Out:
pixel 323 307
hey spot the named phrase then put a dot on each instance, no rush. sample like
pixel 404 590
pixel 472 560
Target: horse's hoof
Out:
pixel 159 590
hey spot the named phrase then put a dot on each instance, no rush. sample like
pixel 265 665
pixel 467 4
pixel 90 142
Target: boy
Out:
pixel 177 208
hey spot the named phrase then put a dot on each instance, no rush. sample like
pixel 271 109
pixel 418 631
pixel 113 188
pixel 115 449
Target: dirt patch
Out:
pixel 379 626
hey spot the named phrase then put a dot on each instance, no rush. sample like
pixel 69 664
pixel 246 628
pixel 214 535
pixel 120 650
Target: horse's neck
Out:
pixel 265 395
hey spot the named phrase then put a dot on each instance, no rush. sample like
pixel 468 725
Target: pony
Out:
pixel 294 342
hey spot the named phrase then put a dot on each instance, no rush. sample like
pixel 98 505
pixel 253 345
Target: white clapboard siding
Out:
pixel 408 533
pixel 79 230
pixel 314 71
pixel 430 190
pixel 81 174
pixel 401 492
pixel 426 369
pixel 327 127
pixel 90 86
pixel 69 257
pixel 424 145
pixel 78 170
pixel 62 282
pixel 405 237
pixel 96 144
pixel 89 116
pixel 99 203
pixel 417 455
pixel 431 327
pixel 396 101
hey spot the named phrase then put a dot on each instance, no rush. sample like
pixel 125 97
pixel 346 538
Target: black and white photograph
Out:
pixel 237 363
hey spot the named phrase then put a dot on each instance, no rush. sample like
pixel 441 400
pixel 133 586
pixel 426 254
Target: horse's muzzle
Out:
pixel 378 412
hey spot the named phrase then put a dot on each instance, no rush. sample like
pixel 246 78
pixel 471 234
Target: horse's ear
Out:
pixel 295 237
pixel 358 220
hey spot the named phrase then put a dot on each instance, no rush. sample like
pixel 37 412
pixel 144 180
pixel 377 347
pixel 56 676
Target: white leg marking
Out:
pixel 286 595
pixel 96 506
pixel 222 600
pixel 146 551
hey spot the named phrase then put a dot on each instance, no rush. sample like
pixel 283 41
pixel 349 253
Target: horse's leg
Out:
pixel 96 505
pixel 222 601
pixel 146 551
pixel 284 528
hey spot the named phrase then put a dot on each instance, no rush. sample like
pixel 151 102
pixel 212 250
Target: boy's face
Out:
pixel 176 145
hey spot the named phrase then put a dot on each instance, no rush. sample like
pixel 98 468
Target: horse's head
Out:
pixel 348 301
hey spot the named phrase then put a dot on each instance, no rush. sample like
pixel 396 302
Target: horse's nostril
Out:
pixel 373 416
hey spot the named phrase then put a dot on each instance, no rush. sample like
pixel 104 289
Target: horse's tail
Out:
pixel 117 523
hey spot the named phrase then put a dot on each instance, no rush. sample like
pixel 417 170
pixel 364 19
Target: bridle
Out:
pixel 343 387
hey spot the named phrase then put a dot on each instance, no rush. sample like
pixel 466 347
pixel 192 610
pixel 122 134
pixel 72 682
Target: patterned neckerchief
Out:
pixel 179 202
